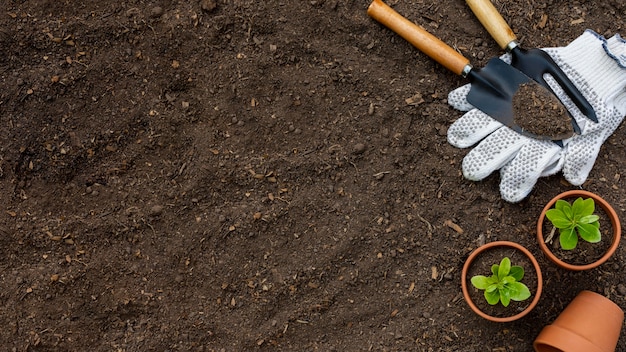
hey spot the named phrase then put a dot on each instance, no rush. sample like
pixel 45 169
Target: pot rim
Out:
pixel 554 338
pixel 615 223
pixel 471 259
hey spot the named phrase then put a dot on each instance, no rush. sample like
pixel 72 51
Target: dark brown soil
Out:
pixel 482 266
pixel 240 175
pixel 538 111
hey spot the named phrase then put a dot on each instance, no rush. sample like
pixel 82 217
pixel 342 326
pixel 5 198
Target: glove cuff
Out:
pixel 616 48
pixel 599 63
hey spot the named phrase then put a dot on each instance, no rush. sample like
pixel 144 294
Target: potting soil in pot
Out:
pixel 585 252
pixel 482 266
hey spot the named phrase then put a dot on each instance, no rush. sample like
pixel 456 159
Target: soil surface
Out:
pixel 238 175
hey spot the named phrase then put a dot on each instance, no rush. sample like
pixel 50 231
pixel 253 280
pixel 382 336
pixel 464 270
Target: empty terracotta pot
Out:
pixel 590 323
pixel 615 223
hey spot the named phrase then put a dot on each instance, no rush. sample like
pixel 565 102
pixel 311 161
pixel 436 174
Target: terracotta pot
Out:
pixel 590 323
pixel 617 230
pixel 488 246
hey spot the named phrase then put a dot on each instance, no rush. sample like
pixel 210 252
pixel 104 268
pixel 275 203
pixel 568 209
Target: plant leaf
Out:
pixel 505 268
pixel 492 287
pixel 518 291
pixel 561 204
pixel 492 297
pixel 568 238
pixel 584 207
pixel 505 297
pixel 517 272
pixel 480 282
pixel 568 210
pixel 494 269
pixel 507 280
pixel 502 286
pixel 588 219
pixel 558 218
pixel 589 233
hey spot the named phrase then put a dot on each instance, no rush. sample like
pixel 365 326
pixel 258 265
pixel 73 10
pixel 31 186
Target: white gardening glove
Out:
pixel 598 69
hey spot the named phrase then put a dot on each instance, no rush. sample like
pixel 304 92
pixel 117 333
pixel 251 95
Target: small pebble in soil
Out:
pixel 358 148
pixel 156 210
pixel 621 289
pixel 208 5
pixel 156 12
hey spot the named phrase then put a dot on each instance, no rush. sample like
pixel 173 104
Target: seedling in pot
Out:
pixel 573 220
pixel 504 284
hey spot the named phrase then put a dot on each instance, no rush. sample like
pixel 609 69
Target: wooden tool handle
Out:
pixel 491 19
pixel 418 36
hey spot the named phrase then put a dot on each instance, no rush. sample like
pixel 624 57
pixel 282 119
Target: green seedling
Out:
pixel 504 284
pixel 573 220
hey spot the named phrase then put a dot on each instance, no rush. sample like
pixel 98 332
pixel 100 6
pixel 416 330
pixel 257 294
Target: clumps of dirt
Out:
pixel 538 111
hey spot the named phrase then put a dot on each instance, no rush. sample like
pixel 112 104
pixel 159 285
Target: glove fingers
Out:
pixel 519 176
pixel 554 167
pixel 580 157
pixel 583 150
pixel 492 153
pixel 458 98
pixel 471 128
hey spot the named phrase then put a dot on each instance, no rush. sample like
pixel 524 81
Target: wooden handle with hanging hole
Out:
pixel 491 19
pixel 418 36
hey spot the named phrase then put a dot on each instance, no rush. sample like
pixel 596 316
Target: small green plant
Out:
pixel 573 220
pixel 504 284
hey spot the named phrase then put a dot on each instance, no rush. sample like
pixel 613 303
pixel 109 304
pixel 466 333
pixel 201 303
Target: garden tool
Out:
pixel 591 61
pixel 535 63
pixel 493 86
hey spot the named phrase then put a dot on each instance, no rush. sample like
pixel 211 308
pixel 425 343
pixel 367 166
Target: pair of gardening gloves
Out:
pixel 597 67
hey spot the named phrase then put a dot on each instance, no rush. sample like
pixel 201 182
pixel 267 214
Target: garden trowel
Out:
pixel 493 86
pixel 535 63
